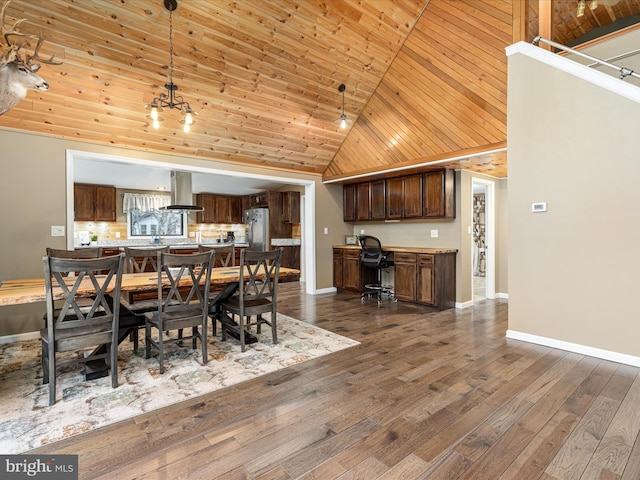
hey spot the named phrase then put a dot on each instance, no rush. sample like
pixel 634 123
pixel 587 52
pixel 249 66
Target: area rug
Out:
pixel 27 422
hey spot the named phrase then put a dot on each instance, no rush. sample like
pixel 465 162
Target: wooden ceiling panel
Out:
pixel 425 79
pixel 444 93
pixel 262 75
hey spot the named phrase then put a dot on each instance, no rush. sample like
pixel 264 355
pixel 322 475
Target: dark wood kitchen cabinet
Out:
pixel 424 278
pixel 219 208
pixel 96 203
pixel 291 207
pixel 370 200
pixel 348 273
pixel 404 197
pixel 427 195
pixel 349 203
pixel 439 194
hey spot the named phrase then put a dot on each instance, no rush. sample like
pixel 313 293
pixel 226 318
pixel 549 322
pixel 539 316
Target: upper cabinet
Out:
pixel 422 195
pixel 291 207
pixel 370 200
pixel 349 203
pixel 219 208
pixel 439 194
pixel 95 203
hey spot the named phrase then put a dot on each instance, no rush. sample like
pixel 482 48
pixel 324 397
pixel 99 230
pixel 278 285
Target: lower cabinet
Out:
pixel 428 279
pixel 347 271
pixel 404 287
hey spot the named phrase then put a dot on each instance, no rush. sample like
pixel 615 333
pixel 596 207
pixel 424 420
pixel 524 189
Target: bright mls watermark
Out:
pixel 50 467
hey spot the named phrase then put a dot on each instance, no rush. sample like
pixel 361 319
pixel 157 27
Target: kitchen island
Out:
pixel 421 275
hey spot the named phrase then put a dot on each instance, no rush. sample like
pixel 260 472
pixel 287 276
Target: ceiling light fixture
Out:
pixel 170 99
pixel 343 121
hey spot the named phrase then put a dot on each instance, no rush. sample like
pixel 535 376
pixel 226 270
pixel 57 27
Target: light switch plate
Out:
pixel 57 230
pixel 434 233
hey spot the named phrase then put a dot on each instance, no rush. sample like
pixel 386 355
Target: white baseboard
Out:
pixel 502 296
pixel 325 290
pixel 460 305
pixel 576 348
pixel 19 337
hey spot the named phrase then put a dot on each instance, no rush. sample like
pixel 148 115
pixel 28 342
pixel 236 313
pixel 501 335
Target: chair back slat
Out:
pixel 103 274
pixel 95 252
pixel 263 269
pixel 225 256
pixel 176 269
pixel 143 259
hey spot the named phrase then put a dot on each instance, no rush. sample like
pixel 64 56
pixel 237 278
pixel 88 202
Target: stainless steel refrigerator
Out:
pixel 257 221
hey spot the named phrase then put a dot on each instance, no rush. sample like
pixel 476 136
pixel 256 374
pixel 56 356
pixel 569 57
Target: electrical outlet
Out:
pixel 57 230
pixel 434 233
pixel 362 232
pixel 192 234
pixel 117 234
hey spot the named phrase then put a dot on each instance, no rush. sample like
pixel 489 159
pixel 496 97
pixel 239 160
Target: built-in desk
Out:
pixel 422 275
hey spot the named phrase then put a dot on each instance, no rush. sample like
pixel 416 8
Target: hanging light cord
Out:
pixel 170 99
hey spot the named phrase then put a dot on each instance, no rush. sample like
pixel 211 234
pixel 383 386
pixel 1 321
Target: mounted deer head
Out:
pixel 17 76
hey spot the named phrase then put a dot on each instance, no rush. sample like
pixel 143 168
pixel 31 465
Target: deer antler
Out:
pixel 35 56
pixel 13 52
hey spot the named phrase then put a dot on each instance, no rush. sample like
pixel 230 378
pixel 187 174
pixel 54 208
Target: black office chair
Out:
pixel 373 257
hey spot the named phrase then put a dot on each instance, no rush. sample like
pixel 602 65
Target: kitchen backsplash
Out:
pixel 208 231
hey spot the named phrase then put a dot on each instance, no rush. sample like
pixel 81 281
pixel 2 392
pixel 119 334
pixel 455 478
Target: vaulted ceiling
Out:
pixel 425 80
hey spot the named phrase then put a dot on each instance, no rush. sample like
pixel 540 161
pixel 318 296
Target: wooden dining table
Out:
pixel 23 291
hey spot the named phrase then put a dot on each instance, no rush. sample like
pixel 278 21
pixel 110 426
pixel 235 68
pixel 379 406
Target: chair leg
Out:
pixel 147 341
pixel 203 342
pixel 241 323
pixel 44 359
pixel 52 375
pixel 113 354
pixel 161 350
pixel 274 327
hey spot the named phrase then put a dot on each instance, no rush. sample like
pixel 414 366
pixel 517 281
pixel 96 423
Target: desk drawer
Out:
pixel 403 257
pixel 425 259
pixel 351 253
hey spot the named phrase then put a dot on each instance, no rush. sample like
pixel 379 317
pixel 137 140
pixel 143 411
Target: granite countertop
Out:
pixel 146 244
pixel 285 242
pixel 386 248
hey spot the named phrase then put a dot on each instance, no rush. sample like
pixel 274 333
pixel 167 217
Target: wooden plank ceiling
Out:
pixel 426 80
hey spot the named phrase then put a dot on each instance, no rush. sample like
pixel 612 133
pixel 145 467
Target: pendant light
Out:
pixel 170 99
pixel 343 121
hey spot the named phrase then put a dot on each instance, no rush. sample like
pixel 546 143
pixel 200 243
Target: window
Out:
pixel 146 220
pixel 155 222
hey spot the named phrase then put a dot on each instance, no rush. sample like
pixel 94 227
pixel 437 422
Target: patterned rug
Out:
pixel 27 422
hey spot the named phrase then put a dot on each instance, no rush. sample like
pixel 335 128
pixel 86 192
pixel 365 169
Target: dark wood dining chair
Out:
pixel 180 308
pixel 140 260
pixel 225 256
pixel 256 296
pixel 73 327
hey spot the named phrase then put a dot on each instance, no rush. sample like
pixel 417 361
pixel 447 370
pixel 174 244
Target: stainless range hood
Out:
pixel 181 194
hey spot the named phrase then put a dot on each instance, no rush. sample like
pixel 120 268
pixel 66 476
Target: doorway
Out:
pixel 482 239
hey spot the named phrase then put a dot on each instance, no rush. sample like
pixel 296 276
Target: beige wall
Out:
pixel 33 193
pixel 573 271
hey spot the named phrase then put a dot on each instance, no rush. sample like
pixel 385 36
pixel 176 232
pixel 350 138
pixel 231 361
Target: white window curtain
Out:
pixel 144 202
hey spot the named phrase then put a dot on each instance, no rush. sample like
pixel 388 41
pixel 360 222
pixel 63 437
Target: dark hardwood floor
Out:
pixel 438 395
